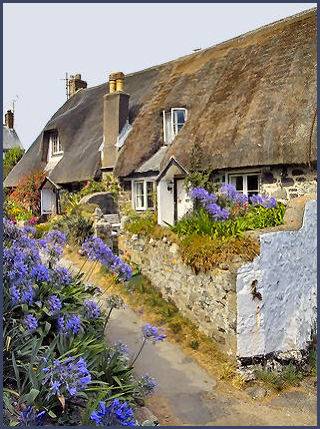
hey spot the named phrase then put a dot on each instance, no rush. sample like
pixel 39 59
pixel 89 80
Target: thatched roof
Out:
pixel 251 101
pixel 10 138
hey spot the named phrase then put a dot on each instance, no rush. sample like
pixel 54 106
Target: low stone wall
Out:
pixel 207 299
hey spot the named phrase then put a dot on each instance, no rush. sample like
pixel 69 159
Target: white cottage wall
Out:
pixel 165 203
pixel 276 293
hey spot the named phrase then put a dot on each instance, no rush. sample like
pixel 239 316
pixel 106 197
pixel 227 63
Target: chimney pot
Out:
pixel 9 119
pixel 76 83
pixel 116 82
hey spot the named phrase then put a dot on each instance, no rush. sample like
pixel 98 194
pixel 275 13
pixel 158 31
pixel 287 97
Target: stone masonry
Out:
pixel 207 299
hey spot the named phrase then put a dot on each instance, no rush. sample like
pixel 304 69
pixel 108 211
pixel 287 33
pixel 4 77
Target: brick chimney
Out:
pixel 9 119
pixel 115 116
pixel 75 83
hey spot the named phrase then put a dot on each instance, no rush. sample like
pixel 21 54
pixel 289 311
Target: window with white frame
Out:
pixel 173 121
pixel 247 184
pixel 55 144
pixel 143 194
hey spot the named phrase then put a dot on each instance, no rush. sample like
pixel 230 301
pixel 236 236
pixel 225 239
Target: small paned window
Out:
pixel 173 121
pixel 247 184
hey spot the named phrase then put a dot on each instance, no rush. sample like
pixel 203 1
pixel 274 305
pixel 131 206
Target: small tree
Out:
pixel 27 193
pixel 12 157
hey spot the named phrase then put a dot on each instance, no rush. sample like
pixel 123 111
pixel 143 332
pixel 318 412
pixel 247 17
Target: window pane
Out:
pixel 150 196
pixel 168 131
pixel 252 183
pixel 180 116
pixel 139 195
pixel 237 181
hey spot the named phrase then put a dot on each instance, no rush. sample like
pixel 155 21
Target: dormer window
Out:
pixel 55 147
pixel 173 121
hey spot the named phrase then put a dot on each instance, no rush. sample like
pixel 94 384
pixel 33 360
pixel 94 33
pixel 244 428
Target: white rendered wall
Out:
pixel 286 277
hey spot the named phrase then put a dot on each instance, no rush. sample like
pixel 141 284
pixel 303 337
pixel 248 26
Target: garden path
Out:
pixel 187 395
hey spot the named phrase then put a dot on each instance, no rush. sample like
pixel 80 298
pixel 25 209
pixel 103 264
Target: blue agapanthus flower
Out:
pixel 30 322
pixel 91 309
pixel 30 417
pixel 67 377
pixel 61 276
pixel 264 201
pixel 148 384
pixel 116 413
pixel 40 273
pixel 152 333
pixel 217 212
pixel 54 304
pixel 69 324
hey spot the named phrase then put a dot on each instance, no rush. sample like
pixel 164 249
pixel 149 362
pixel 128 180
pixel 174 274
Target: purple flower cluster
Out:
pixel 30 323
pixel 264 201
pixel 70 324
pixel 230 192
pixel 69 376
pixel 91 309
pixel 147 384
pixel 52 245
pixel 117 413
pixel 54 304
pixel 152 333
pixel 40 273
pixel 96 250
pixel 209 203
pixel 30 417
pixel 61 276
pixel 121 348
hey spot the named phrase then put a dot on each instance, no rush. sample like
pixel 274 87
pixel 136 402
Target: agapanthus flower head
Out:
pixel 10 230
pixel 30 322
pixel 69 324
pixel 121 348
pixel 263 200
pixel 91 309
pixel 229 191
pixel 56 237
pixel 122 269
pixel 147 384
pixel 115 413
pixel 67 377
pixel 61 276
pixel 152 333
pixel 29 230
pixel 203 196
pixel 114 301
pixel 30 417
pixel 217 212
pixel 54 304
pixel 40 273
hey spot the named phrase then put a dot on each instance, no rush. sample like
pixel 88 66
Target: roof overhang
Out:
pixel 171 163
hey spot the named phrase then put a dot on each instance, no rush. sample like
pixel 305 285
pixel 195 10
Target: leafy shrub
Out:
pixel 257 217
pixel 141 223
pixel 57 363
pixel 27 193
pixel 204 253
pixel 12 157
pixel 16 211
pixel 76 227
pixel 41 229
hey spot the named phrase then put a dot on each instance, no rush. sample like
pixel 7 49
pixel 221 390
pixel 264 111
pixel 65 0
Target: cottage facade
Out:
pixel 243 110
pixel 10 138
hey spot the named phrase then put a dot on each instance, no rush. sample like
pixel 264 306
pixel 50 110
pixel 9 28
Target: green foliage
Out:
pixel 12 157
pixel 141 223
pixel 15 211
pixel 257 217
pixel 204 253
pixel 41 229
pixel 76 226
pixel 289 376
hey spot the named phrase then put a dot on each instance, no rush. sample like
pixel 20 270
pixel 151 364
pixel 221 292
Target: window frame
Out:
pixel 168 116
pixel 54 140
pixel 245 176
pixel 145 182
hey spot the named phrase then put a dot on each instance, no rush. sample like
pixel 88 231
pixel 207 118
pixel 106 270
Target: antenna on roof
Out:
pixel 14 102
pixel 66 79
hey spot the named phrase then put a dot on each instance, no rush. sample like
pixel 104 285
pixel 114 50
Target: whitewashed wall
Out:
pixel 165 203
pixel 281 319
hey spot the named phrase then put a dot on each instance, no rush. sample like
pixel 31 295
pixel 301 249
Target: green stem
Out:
pixel 81 268
pixel 107 318
pixel 139 352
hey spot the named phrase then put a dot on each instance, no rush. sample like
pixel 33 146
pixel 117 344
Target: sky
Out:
pixel 41 42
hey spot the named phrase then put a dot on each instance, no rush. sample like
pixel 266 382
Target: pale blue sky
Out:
pixel 43 41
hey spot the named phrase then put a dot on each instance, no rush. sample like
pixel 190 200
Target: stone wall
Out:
pixel 209 300
pixel 276 295
pixel 286 183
